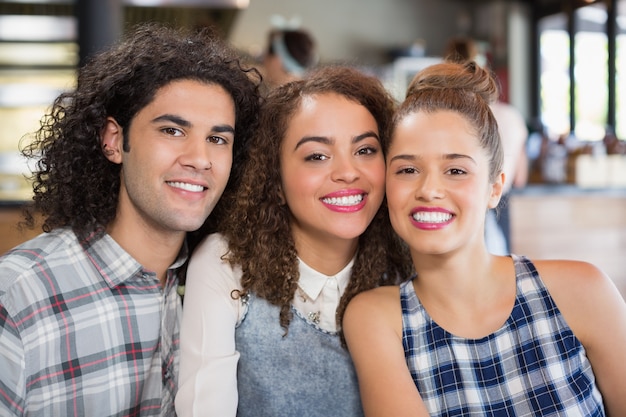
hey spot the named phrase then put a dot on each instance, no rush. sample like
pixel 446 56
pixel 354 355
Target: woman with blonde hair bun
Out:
pixel 473 333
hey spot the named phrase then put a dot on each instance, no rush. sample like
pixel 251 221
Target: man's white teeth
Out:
pixel 344 201
pixel 431 217
pixel 186 186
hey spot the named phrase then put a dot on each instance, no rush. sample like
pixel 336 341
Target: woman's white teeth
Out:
pixel 431 217
pixel 186 186
pixel 350 200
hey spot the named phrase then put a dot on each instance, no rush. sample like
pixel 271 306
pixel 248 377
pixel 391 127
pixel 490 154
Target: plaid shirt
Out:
pixel 532 366
pixel 85 330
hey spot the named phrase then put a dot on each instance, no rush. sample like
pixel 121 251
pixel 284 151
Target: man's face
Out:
pixel 179 159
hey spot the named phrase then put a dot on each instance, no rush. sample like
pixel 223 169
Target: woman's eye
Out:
pixel 407 170
pixel 368 150
pixel 316 157
pixel 456 171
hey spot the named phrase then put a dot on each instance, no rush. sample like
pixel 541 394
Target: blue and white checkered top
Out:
pixel 532 366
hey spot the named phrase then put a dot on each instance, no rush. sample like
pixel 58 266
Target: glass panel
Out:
pixel 38 54
pixel 554 75
pixel 37 28
pixel 25 95
pixel 620 64
pixel 591 72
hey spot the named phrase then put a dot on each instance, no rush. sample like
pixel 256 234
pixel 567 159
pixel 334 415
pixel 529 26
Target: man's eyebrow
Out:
pixel 172 118
pixel 224 128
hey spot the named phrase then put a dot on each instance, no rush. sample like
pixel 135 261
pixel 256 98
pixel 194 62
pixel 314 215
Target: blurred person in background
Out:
pixel 289 53
pixel 513 133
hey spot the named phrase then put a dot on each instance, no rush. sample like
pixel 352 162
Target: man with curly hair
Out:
pixel 129 162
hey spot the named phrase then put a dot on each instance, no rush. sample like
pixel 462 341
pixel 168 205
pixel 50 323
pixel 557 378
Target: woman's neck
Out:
pixel 328 258
pixel 469 295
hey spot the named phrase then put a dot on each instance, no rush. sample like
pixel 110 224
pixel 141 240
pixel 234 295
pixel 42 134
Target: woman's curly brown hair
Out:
pixel 257 225
pixel 74 184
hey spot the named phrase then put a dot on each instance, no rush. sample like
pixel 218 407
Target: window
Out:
pixel 620 64
pixel 554 78
pixel 590 72
pixel 574 73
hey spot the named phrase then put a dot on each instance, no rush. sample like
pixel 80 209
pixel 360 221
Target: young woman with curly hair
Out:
pixel 307 230
pixel 129 162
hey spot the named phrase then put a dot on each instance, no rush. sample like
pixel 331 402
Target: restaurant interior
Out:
pixel 558 62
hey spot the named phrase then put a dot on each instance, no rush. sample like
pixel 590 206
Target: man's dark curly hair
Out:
pixel 258 222
pixel 74 184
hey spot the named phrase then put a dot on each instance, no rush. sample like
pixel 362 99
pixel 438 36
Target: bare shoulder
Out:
pixel 375 301
pixel 568 276
pixel 373 333
pixel 584 294
pixel 376 307
pixel 379 294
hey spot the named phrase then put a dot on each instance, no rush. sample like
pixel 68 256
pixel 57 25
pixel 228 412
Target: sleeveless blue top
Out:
pixel 532 366
pixel 306 373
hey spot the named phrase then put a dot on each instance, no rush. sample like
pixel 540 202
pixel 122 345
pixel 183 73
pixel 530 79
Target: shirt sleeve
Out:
pixel 208 363
pixel 12 388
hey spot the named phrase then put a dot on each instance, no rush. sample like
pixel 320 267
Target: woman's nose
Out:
pixel 344 169
pixel 429 188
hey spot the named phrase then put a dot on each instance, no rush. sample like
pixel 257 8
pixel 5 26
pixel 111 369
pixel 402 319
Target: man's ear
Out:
pixel 112 141
pixel 496 191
